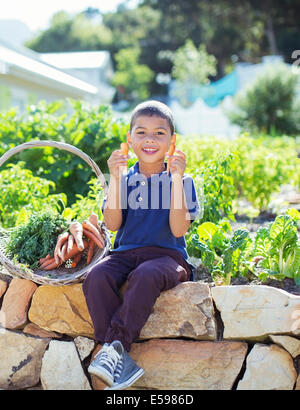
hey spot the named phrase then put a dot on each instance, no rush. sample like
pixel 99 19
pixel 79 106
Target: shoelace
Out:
pixel 118 369
pixel 109 357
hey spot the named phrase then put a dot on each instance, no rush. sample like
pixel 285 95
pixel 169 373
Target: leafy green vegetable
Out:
pixel 35 239
pixel 279 245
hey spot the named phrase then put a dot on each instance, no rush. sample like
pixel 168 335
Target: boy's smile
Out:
pixel 150 139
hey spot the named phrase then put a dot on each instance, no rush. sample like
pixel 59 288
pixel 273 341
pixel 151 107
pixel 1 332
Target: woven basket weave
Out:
pixel 61 275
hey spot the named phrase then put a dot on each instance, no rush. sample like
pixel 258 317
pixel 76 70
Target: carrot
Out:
pixel 90 235
pixel 170 152
pixel 70 242
pixel 90 227
pixel 76 231
pixel 94 219
pixel 42 260
pixel 60 241
pixel 51 266
pixel 49 262
pixel 63 251
pixel 76 260
pixel 124 151
pixel 90 252
pixel 75 250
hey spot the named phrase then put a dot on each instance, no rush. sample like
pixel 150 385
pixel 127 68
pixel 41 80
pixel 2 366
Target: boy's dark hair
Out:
pixel 153 108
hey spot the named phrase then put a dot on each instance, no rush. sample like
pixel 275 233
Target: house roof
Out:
pixel 22 61
pixel 80 59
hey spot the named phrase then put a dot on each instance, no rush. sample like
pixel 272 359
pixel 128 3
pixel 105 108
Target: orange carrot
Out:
pixel 90 252
pixel 70 242
pixel 75 250
pixel 124 151
pixel 49 262
pixel 76 231
pixel 42 260
pixel 51 266
pixel 76 260
pixel 63 251
pixel 94 219
pixel 90 227
pixel 60 241
pixel 90 235
pixel 170 152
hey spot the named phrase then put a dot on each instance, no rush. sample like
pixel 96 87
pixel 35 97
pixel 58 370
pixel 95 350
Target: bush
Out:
pixel 269 105
pixel 94 130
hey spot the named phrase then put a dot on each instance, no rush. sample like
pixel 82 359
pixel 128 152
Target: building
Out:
pixel 27 77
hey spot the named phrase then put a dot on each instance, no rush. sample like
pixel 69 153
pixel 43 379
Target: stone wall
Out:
pixel 197 338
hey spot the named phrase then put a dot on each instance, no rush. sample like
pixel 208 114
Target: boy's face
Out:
pixel 150 138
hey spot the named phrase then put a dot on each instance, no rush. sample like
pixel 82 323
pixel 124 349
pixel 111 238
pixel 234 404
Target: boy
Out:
pixel 151 212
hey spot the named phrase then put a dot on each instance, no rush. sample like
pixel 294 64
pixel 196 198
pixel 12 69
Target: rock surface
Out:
pixel 61 309
pixel 254 312
pixel 13 313
pixel 290 344
pixel 61 368
pixel 20 359
pixel 188 365
pixel 184 311
pixel 268 368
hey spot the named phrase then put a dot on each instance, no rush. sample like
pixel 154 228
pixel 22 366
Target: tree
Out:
pixel 192 66
pixel 131 78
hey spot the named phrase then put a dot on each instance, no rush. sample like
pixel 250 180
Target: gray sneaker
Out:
pixel 106 360
pixel 127 372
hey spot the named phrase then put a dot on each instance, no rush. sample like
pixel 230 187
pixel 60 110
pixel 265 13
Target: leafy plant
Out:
pixel 279 246
pixel 35 239
pixel 223 253
pixel 22 194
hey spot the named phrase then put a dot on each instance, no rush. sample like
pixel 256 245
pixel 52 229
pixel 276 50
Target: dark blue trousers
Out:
pixel 148 272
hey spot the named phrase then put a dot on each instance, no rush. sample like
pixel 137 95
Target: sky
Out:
pixel 36 13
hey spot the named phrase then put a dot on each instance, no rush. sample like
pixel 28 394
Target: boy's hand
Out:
pixel 115 161
pixel 177 163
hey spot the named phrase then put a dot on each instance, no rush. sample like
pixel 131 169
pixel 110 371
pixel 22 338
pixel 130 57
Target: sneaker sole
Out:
pixel 101 374
pixel 128 382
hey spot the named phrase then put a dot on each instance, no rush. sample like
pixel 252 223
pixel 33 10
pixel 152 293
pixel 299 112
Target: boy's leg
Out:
pixel 145 283
pixel 101 290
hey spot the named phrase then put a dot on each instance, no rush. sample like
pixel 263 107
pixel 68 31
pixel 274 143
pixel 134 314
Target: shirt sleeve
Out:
pixel 191 197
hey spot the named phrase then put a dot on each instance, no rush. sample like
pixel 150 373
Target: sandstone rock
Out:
pixel 84 346
pixel 291 344
pixel 61 368
pixel 21 359
pixel 184 311
pixel 268 368
pixel 35 330
pixel 254 312
pixel 61 309
pixel 3 287
pixel 13 314
pixel 186 365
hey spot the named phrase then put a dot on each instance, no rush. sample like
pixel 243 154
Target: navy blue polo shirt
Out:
pixel 145 206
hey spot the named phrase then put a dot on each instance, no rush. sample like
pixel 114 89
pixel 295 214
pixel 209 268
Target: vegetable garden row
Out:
pixel 249 168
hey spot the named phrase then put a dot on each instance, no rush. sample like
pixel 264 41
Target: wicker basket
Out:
pixel 61 275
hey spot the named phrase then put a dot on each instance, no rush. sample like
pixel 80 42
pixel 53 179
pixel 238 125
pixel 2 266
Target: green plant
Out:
pixel 30 242
pixel 269 104
pixel 279 246
pixel 223 253
pixel 22 194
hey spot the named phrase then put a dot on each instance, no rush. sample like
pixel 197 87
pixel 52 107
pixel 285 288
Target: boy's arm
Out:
pixel 179 218
pixel 112 213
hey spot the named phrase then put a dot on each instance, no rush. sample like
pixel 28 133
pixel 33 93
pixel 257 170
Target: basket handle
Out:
pixel 60 145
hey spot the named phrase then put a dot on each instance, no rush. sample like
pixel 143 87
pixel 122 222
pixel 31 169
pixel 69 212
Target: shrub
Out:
pixel 269 104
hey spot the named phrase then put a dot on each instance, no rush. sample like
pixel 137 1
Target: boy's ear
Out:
pixel 128 137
